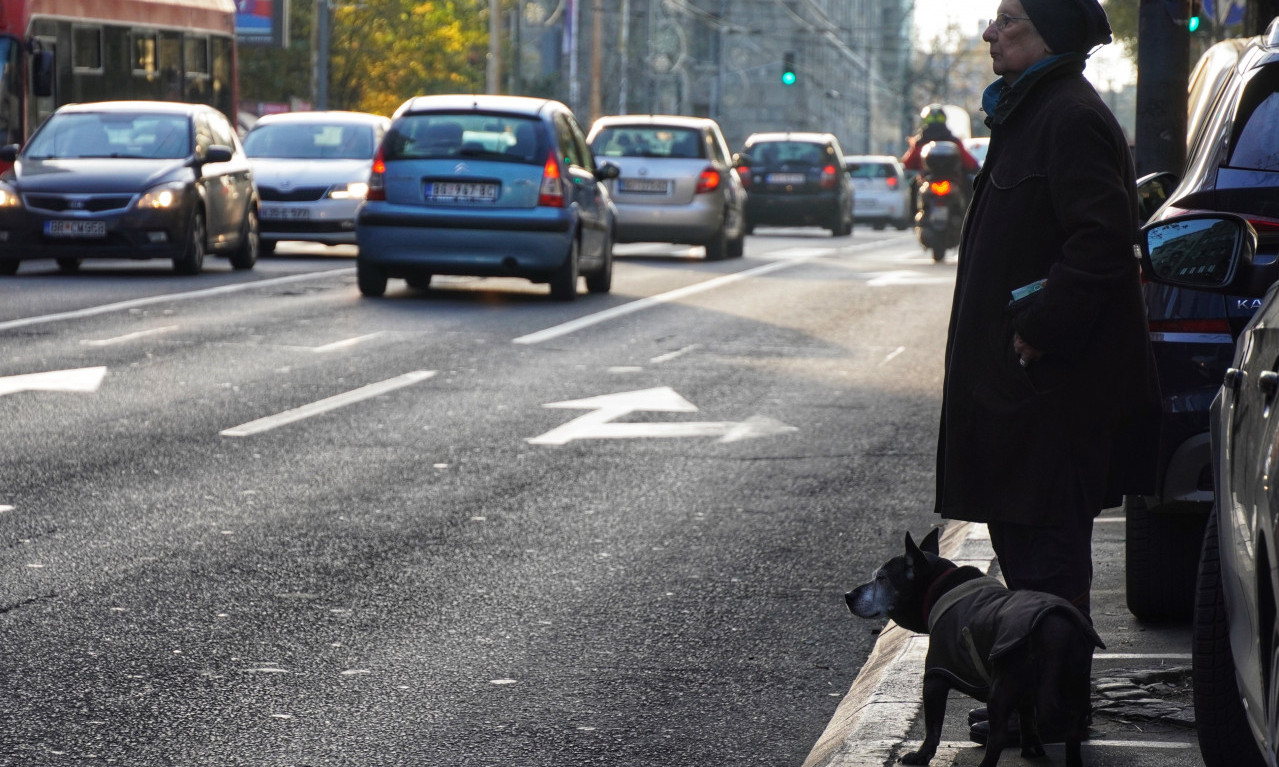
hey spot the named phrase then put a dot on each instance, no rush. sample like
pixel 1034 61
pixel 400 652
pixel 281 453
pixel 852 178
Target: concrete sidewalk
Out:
pixel 1142 710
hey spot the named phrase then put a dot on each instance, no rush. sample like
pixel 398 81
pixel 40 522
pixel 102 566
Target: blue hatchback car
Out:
pixel 489 186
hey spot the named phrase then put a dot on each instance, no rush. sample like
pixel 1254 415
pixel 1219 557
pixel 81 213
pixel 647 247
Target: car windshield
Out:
pixel 443 135
pixel 787 153
pixel 649 141
pixel 310 141
pixel 99 134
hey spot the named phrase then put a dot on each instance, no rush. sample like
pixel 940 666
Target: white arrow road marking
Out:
pixel 325 405
pixel 81 379
pixel 598 424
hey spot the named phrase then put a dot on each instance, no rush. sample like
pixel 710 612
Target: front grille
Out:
pixel 55 203
pixel 301 194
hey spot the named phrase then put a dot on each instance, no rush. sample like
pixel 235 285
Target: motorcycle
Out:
pixel 942 199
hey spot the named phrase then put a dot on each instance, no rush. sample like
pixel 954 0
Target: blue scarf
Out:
pixel 996 90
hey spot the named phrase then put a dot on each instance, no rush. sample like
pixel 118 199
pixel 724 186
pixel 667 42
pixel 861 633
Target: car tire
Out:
pixel 370 279
pixel 246 255
pixel 1161 545
pixel 1225 740
pixel 420 281
pixel 602 280
pixel 564 279
pixel 879 226
pixel 939 255
pixel 69 265
pixel 717 245
pixel 9 267
pixel 192 259
pixel 842 227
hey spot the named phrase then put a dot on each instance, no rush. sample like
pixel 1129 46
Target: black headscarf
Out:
pixel 1069 26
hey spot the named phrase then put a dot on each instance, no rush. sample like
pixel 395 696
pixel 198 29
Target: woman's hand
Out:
pixel 1025 351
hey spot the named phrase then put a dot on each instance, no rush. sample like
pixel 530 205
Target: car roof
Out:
pixel 525 105
pixel 682 121
pixel 329 116
pixel 162 107
pixel 816 138
pixel 887 159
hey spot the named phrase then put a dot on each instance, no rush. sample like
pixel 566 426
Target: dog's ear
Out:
pixel 912 550
pixel 930 542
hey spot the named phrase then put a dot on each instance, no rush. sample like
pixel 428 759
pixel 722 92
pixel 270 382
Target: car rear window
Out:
pixel 870 170
pixel 310 141
pixel 1256 143
pixel 789 152
pixel 649 141
pixel 441 135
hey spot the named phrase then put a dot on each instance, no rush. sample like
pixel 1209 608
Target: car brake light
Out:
pixel 745 173
pixel 939 188
pixel 891 181
pixel 377 178
pixel 828 177
pixel 551 193
pixel 1213 326
pixel 708 181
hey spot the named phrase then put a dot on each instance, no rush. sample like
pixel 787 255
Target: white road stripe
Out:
pixel 964 745
pixel 1141 656
pixel 325 405
pixel 93 311
pixel 129 336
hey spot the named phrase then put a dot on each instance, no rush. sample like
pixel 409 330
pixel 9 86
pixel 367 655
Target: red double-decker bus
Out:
pixel 55 52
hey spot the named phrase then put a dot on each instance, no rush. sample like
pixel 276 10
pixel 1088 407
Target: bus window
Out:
pixel 145 54
pixel 86 49
pixel 10 100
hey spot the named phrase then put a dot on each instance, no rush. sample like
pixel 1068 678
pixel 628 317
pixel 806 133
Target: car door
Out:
pixel 229 184
pixel 588 193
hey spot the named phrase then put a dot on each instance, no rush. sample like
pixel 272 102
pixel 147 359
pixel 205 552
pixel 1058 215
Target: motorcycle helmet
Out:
pixel 933 114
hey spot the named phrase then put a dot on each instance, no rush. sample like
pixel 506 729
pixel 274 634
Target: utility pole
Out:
pixel 1163 69
pixel 597 35
pixel 494 74
pixel 574 88
pixel 320 57
pixel 624 58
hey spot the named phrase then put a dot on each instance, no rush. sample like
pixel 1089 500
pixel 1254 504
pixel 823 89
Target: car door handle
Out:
pixel 1234 378
pixel 1268 382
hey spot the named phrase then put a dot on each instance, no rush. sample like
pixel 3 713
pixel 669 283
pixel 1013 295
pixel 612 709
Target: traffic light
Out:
pixel 788 68
pixel 1196 16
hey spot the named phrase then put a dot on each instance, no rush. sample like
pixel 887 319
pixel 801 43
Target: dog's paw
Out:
pixel 916 757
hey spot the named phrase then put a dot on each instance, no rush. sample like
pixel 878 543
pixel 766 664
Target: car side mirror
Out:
pixel 9 153
pixel 217 153
pixel 606 171
pixel 1206 251
pixel 741 159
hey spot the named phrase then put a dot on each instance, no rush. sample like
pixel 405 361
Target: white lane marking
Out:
pixel 129 336
pixel 336 345
pixel 907 277
pixel 791 256
pixel 672 355
pixel 4 508
pixel 1100 520
pixel 967 745
pixel 325 405
pixel 1141 656
pixel 598 424
pixel 79 380
pixel 892 355
pixel 93 311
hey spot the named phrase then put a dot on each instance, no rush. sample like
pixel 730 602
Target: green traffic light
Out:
pixel 1194 24
pixel 788 78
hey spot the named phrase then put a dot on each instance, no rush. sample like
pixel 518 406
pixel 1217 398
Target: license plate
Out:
pixel 75 228
pixel 644 185
pixel 457 191
pixel 283 213
pixel 785 178
pixel 939 217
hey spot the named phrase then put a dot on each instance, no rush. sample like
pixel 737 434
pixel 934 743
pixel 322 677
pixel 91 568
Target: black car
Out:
pixel 1236 631
pixel 1232 166
pixel 796 179
pixel 129 179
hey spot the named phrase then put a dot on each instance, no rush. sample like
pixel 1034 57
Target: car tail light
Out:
pixel 708 181
pixel 377 178
pixel 551 193
pixel 745 172
pixel 939 188
pixel 1212 326
pixel 828 177
pixel 891 181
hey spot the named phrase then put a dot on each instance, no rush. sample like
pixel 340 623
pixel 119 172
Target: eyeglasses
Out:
pixel 1002 21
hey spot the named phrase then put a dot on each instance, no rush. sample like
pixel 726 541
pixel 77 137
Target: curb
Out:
pixel 877 714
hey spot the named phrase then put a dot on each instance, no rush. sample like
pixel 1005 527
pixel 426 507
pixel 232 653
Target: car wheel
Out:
pixel 69 265
pixel 420 281
pixel 939 255
pixel 878 226
pixel 564 279
pixel 602 280
pixel 8 268
pixel 192 259
pixel 841 227
pixel 717 245
pixel 245 256
pixel 370 279
pixel 1225 740
pixel 1161 545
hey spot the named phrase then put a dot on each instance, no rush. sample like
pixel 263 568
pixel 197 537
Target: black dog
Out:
pixel 1022 651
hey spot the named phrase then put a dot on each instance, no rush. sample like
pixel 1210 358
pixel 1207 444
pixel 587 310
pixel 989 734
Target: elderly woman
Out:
pixel 1050 402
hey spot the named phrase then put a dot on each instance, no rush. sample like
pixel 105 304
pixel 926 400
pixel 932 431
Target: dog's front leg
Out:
pixel 936 690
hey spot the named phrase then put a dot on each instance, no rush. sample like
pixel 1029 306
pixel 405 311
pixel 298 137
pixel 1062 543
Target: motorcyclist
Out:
pixel 933 128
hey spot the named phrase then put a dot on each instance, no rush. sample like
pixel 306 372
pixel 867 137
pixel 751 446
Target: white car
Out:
pixel 312 172
pixel 882 191
pixel 977 147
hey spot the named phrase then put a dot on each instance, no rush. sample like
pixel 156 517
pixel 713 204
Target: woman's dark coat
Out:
pixel 1055 199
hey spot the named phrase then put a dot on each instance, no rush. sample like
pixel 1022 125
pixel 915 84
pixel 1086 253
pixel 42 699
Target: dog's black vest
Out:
pixel 977 620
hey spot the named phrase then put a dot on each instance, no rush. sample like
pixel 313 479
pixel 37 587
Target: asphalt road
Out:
pixel 256 519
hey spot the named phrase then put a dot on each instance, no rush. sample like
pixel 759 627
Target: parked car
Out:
pixel 486 186
pixel 1232 166
pixel 881 190
pixel 677 182
pixel 1235 630
pixel 129 179
pixel 312 171
pixel 796 179
pixel 977 147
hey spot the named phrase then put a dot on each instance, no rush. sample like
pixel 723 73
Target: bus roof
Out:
pixel 215 15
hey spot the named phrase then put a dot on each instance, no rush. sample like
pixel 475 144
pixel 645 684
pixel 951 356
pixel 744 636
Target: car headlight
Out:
pixel 356 190
pixel 164 197
pixel 9 197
